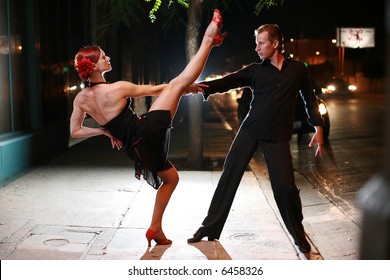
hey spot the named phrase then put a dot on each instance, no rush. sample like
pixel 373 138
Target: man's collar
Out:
pixel 268 61
pixel 265 61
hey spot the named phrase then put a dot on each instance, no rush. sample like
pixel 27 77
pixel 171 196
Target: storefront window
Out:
pixel 60 29
pixel 61 25
pixel 13 94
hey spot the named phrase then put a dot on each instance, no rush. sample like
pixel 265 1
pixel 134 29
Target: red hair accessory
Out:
pixel 84 67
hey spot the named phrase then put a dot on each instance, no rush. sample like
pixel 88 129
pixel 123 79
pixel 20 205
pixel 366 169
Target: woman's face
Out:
pixel 103 65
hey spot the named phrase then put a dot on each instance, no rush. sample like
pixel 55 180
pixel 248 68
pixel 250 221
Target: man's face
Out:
pixel 264 47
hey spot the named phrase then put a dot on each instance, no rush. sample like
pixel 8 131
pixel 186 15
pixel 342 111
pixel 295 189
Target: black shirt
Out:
pixel 271 116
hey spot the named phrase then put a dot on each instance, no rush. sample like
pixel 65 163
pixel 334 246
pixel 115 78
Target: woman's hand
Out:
pixel 115 143
pixel 194 89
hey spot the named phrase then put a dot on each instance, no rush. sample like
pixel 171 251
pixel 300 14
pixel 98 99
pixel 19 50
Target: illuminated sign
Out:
pixel 352 37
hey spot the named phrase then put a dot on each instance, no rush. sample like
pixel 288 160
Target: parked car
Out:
pixel 338 86
pixel 301 126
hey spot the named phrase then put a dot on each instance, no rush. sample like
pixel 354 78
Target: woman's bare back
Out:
pixel 102 102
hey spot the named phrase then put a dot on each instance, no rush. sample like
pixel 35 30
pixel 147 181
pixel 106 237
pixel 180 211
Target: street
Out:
pixel 352 154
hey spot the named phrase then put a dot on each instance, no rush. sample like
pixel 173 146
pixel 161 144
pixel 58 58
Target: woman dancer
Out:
pixel 146 137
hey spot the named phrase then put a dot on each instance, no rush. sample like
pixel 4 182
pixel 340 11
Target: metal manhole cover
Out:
pixel 56 242
pixel 244 236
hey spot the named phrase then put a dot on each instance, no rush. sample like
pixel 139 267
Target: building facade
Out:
pixel 38 83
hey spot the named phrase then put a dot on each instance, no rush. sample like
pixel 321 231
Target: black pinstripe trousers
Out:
pixel 278 158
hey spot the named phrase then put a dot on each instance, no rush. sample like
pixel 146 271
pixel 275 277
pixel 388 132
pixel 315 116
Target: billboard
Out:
pixel 353 37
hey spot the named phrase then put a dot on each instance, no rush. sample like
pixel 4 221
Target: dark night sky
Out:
pixel 313 19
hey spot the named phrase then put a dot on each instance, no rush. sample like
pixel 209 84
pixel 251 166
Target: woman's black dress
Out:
pixel 146 140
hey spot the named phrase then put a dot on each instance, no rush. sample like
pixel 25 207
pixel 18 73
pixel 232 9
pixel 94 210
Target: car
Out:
pixel 338 86
pixel 301 126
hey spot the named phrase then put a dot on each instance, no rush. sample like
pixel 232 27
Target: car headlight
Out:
pixel 352 87
pixel 331 88
pixel 322 108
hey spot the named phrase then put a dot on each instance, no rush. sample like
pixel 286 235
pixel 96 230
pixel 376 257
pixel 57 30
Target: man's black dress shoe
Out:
pixel 303 246
pixel 199 234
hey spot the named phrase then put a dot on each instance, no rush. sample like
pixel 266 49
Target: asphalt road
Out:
pixel 352 154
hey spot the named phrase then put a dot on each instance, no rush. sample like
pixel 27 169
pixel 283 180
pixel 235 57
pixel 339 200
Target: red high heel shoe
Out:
pixel 159 237
pixel 217 19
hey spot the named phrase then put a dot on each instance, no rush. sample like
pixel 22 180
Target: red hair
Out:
pixel 84 59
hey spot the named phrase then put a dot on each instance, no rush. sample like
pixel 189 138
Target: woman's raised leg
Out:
pixel 170 96
pixel 169 100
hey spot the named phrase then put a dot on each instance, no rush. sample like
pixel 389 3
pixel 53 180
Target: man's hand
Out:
pixel 318 138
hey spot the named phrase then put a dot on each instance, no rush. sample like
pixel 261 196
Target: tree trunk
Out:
pixel 195 154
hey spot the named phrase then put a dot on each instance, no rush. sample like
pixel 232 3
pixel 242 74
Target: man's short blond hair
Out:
pixel 274 33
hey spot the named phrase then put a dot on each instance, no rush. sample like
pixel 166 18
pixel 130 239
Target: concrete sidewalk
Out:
pixel 86 204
